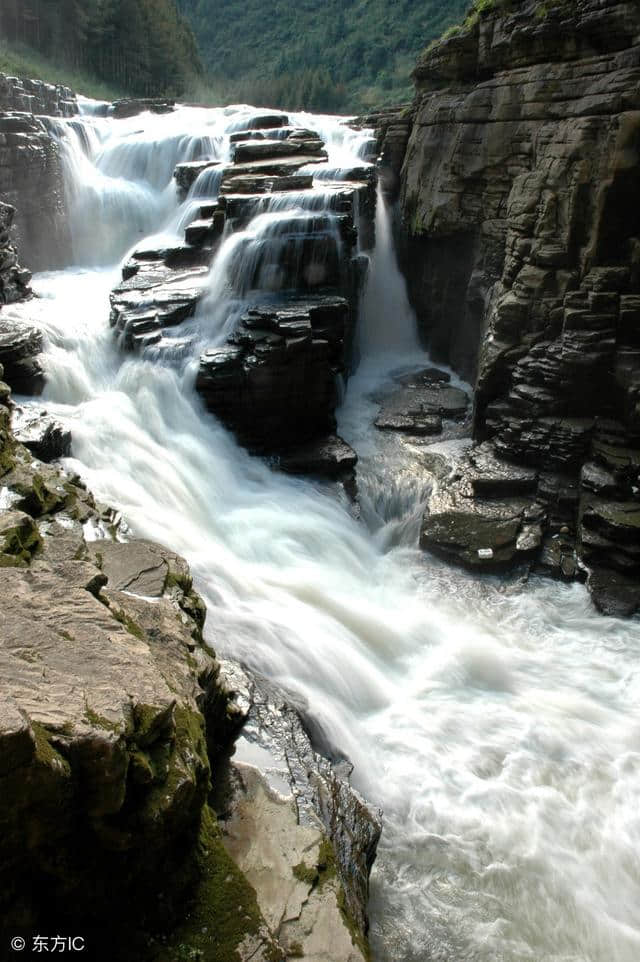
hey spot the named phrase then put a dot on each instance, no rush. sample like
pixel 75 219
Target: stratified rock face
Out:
pixel 14 281
pixel 519 198
pixel 296 270
pixel 31 180
pixel 36 97
pixel 274 383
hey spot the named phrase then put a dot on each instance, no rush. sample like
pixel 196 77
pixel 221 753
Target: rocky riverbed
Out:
pixel 257 346
pixel 125 791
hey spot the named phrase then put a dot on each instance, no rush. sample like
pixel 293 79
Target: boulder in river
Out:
pixel 41 433
pixel 121 109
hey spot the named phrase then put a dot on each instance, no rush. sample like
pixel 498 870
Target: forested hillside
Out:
pixel 320 54
pixel 140 46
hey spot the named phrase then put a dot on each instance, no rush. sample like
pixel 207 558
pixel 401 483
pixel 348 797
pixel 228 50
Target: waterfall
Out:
pixel 491 720
pixel 389 323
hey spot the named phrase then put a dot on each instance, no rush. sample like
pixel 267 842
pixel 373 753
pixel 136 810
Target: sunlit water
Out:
pixel 494 722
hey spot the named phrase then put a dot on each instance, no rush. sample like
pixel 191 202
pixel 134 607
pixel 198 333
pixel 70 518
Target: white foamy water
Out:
pixel 495 723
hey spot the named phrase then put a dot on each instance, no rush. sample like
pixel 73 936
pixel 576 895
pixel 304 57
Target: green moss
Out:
pixel 132 626
pixel 223 909
pixel 479 9
pixel 322 871
pixel 46 754
pixel 19 544
pixel 176 579
pixel 305 873
pixel 326 871
pixel 99 721
pixel 544 8
pixel 141 770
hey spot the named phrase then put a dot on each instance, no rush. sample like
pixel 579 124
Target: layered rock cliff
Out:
pixel 521 241
pixel 31 178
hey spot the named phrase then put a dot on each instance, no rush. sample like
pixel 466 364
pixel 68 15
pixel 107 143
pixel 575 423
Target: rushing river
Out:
pixel 494 722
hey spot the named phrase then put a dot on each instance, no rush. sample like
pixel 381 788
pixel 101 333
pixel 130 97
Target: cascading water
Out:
pixel 494 722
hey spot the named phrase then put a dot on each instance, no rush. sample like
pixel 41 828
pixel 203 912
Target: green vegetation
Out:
pixel 143 47
pixel 342 55
pixel 330 55
pixel 223 909
pixel 18 60
pixel 324 871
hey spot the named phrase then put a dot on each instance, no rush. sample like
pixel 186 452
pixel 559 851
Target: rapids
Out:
pixel 495 721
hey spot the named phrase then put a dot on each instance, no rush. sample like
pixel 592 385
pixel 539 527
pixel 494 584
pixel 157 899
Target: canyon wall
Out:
pixel 521 244
pixel 31 178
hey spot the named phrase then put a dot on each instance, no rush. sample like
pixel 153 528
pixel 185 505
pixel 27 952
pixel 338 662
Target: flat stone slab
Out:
pixel 250 151
pixel 281 167
pixel 329 457
pixel 418 406
pixel 264 183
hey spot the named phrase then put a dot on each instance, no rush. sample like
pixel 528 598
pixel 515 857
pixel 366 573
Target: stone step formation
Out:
pixel 274 380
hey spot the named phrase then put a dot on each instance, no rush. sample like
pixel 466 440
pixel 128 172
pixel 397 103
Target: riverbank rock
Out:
pixel 14 280
pixel 20 347
pixel 116 723
pixel 520 244
pixel 31 181
pixel 36 97
pixel 303 835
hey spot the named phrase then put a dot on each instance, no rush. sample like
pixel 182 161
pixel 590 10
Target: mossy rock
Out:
pixel 19 539
pixel 222 914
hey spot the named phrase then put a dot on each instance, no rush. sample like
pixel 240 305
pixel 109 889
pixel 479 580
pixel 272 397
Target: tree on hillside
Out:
pixel 144 46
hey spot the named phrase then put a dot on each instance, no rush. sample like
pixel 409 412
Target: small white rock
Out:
pixel 485 552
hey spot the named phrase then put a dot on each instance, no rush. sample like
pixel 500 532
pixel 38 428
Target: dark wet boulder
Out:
pixel 483 513
pixel 271 166
pixel 235 183
pixel 121 109
pixel 615 593
pixel 419 404
pixel 274 383
pixel 328 457
pixel 267 121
